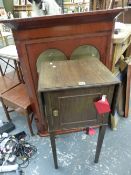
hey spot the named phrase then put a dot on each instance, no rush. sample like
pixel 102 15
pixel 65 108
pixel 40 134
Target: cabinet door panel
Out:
pixel 77 110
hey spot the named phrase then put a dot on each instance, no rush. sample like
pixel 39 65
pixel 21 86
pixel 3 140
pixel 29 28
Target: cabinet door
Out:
pixel 75 108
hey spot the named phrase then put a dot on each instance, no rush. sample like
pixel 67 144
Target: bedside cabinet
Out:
pixel 67 91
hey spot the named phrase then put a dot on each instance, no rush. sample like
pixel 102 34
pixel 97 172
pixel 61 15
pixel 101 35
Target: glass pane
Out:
pixel 85 51
pixel 50 55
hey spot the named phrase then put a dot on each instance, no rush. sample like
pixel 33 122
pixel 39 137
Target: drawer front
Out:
pixel 75 108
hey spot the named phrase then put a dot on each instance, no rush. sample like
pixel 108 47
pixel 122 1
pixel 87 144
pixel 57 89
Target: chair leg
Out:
pixel 1 71
pixel 29 123
pixel 101 135
pixel 5 110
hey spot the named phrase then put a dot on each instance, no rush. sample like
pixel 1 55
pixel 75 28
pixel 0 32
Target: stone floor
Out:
pixel 76 151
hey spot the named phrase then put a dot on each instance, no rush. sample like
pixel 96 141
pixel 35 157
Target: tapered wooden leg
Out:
pixel 53 146
pixel 29 124
pixel 102 130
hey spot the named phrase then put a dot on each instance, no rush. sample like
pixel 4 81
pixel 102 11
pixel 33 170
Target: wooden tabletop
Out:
pixel 9 52
pixel 122 35
pixel 67 74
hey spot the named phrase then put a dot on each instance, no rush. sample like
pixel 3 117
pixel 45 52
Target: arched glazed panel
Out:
pixel 50 55
pixel 85 51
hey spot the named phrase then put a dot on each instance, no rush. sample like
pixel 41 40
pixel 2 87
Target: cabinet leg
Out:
pixel 102 130
pixel 53 146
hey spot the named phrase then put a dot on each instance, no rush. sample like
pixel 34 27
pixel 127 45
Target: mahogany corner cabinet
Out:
pixel 66 32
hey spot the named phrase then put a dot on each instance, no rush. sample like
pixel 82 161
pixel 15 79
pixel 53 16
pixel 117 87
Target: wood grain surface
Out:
pixel 89 72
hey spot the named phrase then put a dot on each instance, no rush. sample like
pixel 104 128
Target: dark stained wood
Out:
pixel 68 104
pixel 65 32
pixel 68 100
pixel 101 135
pixel 57 75
pixel 75 107
pixel 53 146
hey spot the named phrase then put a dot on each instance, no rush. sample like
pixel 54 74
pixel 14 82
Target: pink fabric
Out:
pixel 102 107
pixel 91 132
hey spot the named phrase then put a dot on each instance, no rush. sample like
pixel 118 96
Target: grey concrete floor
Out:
pixel 76 151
